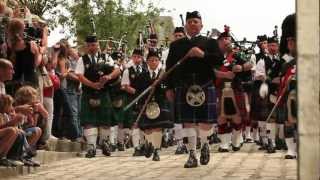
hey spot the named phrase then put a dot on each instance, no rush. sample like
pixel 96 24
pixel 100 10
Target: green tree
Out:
pixel 112 18
pixel 40 7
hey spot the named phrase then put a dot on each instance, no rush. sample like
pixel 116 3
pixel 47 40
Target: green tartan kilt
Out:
pixel 126 118
pixel 96 116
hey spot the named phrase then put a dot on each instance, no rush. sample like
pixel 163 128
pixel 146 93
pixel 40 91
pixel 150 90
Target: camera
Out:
pixel 32 33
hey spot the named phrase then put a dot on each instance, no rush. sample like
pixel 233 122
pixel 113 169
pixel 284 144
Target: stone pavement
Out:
pixel 247 164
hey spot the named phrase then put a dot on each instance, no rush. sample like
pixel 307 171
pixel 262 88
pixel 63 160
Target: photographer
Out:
pixel 25 54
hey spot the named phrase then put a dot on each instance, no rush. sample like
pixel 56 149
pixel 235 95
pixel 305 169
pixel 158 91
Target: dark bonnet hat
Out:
pixel 179 29
pixel 226 32
pixel 91 39
pixel 153 36
pixel 288 28
pixel 273 39
pixel 137 51
pixel 262 38
pixel 153 52
pixel 194 14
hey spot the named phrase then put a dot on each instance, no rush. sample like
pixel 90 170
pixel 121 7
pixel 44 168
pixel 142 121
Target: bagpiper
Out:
pixel 191 87
pixel 287 89
pixel 96 72
pixel 230 92
pixel 129 83
pixel 156 116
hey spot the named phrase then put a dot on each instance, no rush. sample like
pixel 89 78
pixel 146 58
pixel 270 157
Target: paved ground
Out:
pixel 248 164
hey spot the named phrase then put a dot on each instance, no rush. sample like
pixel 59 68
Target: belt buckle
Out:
pixel 153 110
pixel 195 96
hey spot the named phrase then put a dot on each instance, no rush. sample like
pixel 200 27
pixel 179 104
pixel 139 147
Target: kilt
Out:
pixel 97 116
pixel 259 107
pixel 126 118
pixel 281 113
pixel 240 103
pixel 163 121
pixel 206 113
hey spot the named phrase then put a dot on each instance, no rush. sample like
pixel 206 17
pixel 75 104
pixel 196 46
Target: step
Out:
pixel 58 150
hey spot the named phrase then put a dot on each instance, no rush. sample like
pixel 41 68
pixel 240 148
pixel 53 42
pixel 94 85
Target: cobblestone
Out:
pixel 247 164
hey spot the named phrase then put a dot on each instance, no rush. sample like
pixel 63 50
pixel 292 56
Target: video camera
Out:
pixel 32 33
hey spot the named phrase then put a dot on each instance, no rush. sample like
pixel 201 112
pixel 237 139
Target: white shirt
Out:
pixel 80 66
pixel 157 70
pixel 2 88
pixel 260 69
pixel 189 37
pixel 125 76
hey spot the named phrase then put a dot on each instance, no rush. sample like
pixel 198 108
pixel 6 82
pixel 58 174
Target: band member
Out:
pixel 191 88
pixel 230 92
pixel 157 114
pixel 259 101
pixel 96 73
pixel 130 86
pixel 273 81
pixel 287 89
pixel 178 129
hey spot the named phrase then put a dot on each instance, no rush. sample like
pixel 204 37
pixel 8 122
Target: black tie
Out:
pixel 138 69
pixel 93 59
pixel 153 75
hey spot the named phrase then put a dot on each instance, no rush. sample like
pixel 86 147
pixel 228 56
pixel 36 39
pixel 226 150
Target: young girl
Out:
pixel 8 132
pixel 48 94
pixel 28 95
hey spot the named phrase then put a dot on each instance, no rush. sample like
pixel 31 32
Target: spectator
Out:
pixel 49 93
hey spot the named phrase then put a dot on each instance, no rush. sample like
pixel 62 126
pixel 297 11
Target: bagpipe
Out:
pixel 236 50
pixel 103 67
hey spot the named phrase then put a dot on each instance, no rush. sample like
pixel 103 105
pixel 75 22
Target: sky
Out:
pixel 246 18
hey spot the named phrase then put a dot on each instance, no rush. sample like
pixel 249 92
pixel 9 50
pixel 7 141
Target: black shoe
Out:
pixel 192 160
pixel 26 162
pixel 284 145
pixel 31 152
pixel 156 156
pixel 258 143
pixel 120 147
pixel 248 140
pixel 263 147
pixel 222 150
pixel 234 148
pixel 138 152
pixel 106 149
pixel 214 139
pixel 270 148
pixel 31 162
pixel 91 153
pixel 185 149
pixel 164 143
pixel 179 150
pixel 112 147
pixel 205 154
pixel 290 156
pixel 148 150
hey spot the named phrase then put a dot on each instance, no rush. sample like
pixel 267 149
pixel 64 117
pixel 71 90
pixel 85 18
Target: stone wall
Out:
pixel 308 89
